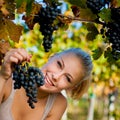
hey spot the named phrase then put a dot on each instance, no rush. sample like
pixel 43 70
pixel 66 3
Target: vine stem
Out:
pixel 71 18
pixel 68 19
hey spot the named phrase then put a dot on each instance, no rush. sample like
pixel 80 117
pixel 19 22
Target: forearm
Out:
pixel 2 83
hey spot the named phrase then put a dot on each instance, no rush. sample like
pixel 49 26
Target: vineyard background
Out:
pixel 79 29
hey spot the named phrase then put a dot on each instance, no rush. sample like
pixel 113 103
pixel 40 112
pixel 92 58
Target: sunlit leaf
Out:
pixel 105 15
pixel 11 42
pixel 13 28
pixel 29 6
pixel 3 32
pixel 8 29
pixel 19 3
pixel 22 8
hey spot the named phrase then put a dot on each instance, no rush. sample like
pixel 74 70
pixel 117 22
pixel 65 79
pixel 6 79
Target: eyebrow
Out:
pixel 63 67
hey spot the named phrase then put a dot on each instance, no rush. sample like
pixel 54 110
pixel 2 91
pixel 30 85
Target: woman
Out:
pixel 69 70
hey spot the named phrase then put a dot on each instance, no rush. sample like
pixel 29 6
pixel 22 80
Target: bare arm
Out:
pixel 2 83
pixel 11 57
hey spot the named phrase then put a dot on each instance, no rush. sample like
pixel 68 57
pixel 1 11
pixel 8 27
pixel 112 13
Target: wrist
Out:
pixel 5 77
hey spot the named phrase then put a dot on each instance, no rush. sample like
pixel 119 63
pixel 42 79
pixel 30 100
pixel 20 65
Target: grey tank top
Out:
pixel 5 107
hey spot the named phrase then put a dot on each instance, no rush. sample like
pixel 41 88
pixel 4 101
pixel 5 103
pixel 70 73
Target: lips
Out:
pixel 48 81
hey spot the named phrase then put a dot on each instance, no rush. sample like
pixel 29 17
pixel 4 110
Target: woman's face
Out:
pixel 62 71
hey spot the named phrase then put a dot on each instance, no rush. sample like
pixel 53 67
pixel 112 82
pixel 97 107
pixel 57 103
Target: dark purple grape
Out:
pixel 30 78
pixel 45 18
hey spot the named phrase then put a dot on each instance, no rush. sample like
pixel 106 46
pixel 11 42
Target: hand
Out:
pixel 11 57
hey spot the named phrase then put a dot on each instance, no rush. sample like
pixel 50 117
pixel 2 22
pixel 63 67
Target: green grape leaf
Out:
pixel 97 53
pixel 92 31
pixel 92 28
pixel 87 15
pixel 105 15
pixel 91 36
pixel 24 5
pixel 107 52
pixel 19 3
pixel 11 42
pixel 29 6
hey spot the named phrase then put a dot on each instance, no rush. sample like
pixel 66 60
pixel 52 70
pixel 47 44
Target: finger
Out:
pixel 24 53
pixel 13 60
pixel 18 56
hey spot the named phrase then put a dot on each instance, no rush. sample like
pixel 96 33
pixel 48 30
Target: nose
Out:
pixel 56 76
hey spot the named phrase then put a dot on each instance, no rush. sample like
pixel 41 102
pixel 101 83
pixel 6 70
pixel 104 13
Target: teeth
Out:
pixel 48 81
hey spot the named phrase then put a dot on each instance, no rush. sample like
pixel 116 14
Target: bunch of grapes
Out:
pixel 96 5
pixel 112 32
pixel 30 78
pixel 45 18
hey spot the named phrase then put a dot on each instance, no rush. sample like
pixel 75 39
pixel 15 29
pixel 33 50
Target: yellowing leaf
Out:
pixel 14 31
pixel 4 46
pixel 8 29
pixel 22 8
pixel 8 8
pixel 3 33
pixel 115 3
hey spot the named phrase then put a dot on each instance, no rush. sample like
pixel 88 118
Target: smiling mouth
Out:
pixel 48 81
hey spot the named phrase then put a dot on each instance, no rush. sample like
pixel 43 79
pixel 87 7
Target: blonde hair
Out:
pixel 84 83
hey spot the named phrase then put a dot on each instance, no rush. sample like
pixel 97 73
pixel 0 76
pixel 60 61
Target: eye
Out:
pixel 68 79
pixel 59 64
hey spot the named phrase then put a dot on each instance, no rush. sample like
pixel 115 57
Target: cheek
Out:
pixel 46 67
pixel 62 84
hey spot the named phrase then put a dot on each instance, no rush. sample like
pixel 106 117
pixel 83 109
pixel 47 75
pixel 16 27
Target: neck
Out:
pixel 42 94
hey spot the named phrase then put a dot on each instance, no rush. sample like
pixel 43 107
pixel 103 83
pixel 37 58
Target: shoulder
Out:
pixel 59 107
pixel 61 99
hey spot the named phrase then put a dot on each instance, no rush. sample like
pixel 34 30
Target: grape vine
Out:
pixel 47 13
pixel 111 28
pixel 45 18
pixel 111 31
pixel 30 78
